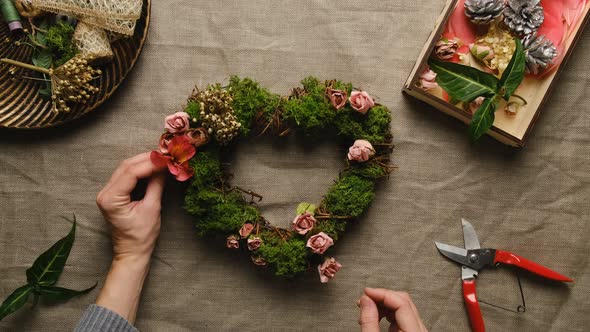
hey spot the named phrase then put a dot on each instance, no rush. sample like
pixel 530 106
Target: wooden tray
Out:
pixel 509 130
pixel 21 106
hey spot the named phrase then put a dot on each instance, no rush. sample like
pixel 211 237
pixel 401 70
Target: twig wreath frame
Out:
pixel 197 138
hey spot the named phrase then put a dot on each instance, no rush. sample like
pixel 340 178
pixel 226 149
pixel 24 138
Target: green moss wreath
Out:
pixel 196 140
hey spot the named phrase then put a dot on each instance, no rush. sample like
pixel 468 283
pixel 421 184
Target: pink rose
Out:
pixel 232 242
pixel 320 242
pixel 164 142
pixel 361 101
pixel 361 151
pixel 258 260
pixel 337 98
pixel 475 104
pixel 197 136
pixel 178 122
pixel 445 49
pixel 254 243
pixel 246 230
pixel 428 80
pixel 303 223
pixel 328 269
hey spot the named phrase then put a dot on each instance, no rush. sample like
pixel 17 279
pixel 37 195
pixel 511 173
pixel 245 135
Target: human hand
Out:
pixel 135 225
pixel 397 307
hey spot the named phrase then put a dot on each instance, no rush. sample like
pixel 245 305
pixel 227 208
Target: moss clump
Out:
pixel 311 111
pixel 218 213
pixel 373 126
pixel 350 196
pixel 251 101
pixel 333 227
pixel 368 170
pixel 194 110
pixel 59 42
pixel 287 258
pixel 208 170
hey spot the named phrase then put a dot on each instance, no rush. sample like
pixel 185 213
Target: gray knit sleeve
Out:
pixel 98 319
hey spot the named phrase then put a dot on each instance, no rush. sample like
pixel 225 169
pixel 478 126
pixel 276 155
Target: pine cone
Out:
pixel 539 52
pixel 523 17
pixel 483 11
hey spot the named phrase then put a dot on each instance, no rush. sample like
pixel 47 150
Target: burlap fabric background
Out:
pixel 532 201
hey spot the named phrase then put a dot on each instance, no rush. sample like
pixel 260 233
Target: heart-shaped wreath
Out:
pixel 196 139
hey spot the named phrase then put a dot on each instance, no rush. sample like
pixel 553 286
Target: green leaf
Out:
pixel 42 58
pixel 59 294
pixel 15 300
pixel 483 119
pixel 514 72
pixel 49 266
pixel 305 207
pixel 463 82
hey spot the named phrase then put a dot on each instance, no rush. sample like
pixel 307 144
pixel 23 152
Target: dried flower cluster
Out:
pixel 501 45
pixel 72 83
pixel 217 115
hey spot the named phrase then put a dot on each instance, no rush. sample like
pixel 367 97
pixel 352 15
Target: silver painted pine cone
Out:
pixel 539 53
pixel 483 11
pixel 523 17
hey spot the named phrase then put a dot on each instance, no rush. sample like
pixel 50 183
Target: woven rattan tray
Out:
pixel 21 106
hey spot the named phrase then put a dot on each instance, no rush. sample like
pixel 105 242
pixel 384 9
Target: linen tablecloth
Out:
pixel 532 201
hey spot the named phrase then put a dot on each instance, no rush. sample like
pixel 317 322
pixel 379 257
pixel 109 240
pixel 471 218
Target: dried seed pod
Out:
pixel 217 114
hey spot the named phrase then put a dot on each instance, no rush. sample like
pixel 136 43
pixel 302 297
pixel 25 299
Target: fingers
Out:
pixel 406 316
pixel 153 193
pixel 369 317
pixel 125 179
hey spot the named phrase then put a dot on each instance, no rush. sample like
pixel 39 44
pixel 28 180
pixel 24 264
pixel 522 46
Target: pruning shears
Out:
pixel 473 259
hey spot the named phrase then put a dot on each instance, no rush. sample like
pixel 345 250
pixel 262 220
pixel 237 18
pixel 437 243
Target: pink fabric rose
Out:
pixel 328 269
pixel 178 122
pixel 197 136
pixel 164 142
pixel 459 26
pixel 320 242
pixel 246 230
pixel 428 79
pixel 337 98
pixel 361 151
pixel 303 223
pixel 258 260
pixel 232 242
pixel 475 104
pixel 361 101
pixel 254 243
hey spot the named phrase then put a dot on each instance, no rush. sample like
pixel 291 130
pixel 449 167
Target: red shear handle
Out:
pixel 472 305
pixel 512 259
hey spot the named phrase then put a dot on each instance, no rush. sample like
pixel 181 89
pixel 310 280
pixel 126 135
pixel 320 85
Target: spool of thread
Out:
pixel 10 15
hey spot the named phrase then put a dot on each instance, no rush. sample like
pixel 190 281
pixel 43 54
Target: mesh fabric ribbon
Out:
pixel 92 41
pixel 114 15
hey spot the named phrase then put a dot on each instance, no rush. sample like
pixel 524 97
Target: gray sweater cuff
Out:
pixel 98 319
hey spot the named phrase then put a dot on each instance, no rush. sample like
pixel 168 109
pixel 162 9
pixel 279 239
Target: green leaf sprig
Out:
pixel 304 207
pixel 465 83
pixel 43 275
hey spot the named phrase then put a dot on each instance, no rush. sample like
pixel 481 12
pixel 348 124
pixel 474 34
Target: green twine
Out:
pixel 9 11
